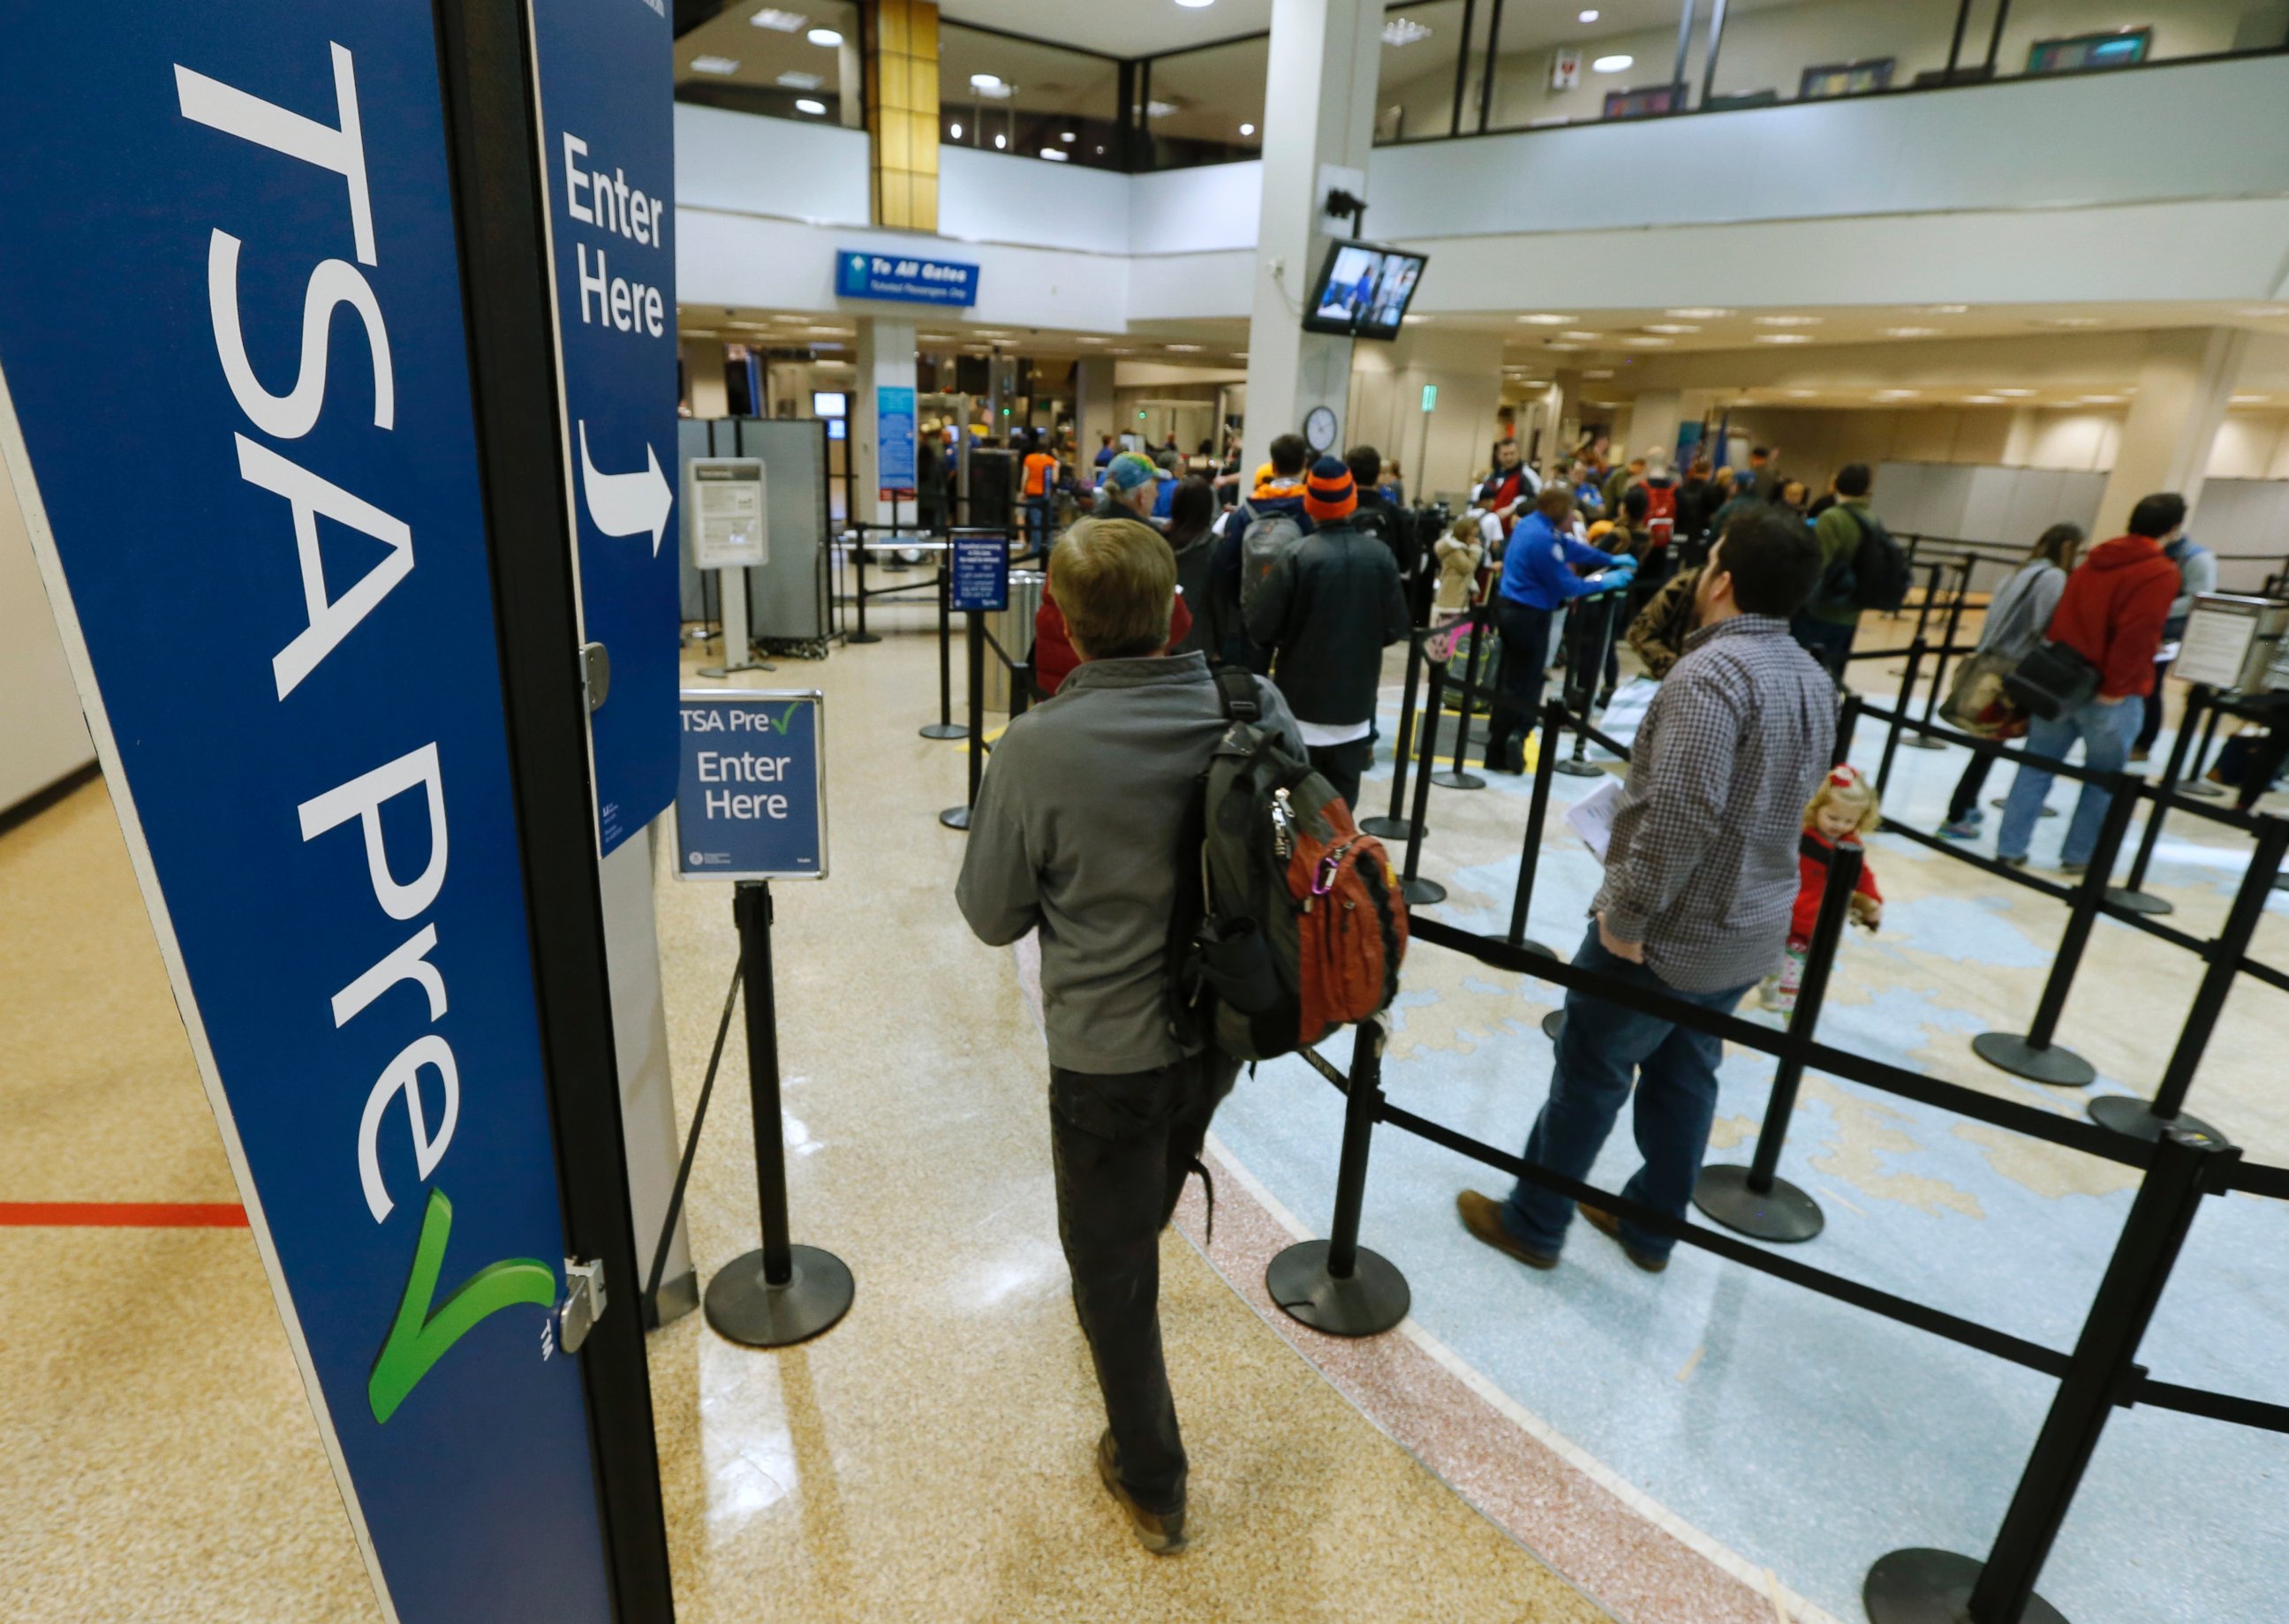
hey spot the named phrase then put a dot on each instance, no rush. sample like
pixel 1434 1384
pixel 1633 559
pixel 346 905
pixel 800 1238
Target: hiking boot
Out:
pixel 1959 829
pixel 1482 1217
pixel 2074 868
pixel 1161 1534
pixel 1605 1223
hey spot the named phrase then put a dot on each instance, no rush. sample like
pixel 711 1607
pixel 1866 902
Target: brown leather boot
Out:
pixel 1162 1535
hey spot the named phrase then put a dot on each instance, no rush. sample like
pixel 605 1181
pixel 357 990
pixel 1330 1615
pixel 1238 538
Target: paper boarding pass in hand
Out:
pixel 1592 816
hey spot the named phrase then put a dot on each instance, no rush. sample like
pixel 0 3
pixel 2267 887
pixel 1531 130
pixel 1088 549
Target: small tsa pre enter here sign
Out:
pixel 751 803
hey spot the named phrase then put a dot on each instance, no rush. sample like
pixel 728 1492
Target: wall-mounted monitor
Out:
pixel 1363 291
pixel 830 403
pixel 2123 48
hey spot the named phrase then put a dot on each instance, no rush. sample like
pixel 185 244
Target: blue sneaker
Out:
pixel 1961 829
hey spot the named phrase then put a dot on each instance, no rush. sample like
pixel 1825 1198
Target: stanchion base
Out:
pixel 2281 883
pixel 746 1308
pixel 2139 902
pixel 946 729
pixel 1581 770
pixel 1922 741
pixel 2126 1115
pixel 733 670
pixel 1554 1023
pixel 1388 828
pixel 955 817
pixel 1998 803
pixel 1423 893
pixel 1451 780
pixel 2202 787
pixel 1782 1213
pixel 2058 1066
pixel 1374 1298
pixel 864 637
pixel 1933 1587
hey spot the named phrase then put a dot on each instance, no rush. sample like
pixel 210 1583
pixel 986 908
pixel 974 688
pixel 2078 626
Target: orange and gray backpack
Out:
pixel 1301 925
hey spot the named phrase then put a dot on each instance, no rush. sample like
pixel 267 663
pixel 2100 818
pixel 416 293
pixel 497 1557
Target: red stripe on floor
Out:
pixel 125 1214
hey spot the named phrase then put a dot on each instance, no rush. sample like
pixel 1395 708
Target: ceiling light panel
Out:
pixel 783 22
pixel 714 64
pixel 1787 321
pixel 1404 31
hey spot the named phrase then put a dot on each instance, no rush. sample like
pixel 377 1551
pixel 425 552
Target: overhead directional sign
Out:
pixel 608 148
pixel 278 601
pixel 861 273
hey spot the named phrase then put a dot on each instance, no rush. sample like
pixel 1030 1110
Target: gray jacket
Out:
pixel 2197 573
pixel 2020 610
pixel 1076 830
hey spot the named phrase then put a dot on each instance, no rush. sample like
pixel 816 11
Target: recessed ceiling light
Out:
pixel 806 105
pixel 714 64
pixel 824 36
pixel 785 22
pixel 1601 373
pixel 1413 321
pixel 1611 64
pixel 1068 136
pixel 1404 31
pixel 1247 129
pixel 1000 142
pixel 1546 320
pixel 1912 332
pixel 1187 349
pixel 1645 342
pixel 1057 155
pixel 1159 109
pixel 1982 400
pixel 1895 395
pixel 1195 6
pixel 1801 395
pixel 1783 337
pixel 1699 312
pixel 2102 400
pixel 1945 309
pixel 1582 338
pixel 2017 395
pixel 2250 400
pixel 2265 310
pixel 831 331
pixel 1787 321
pixel 2068 320
pixel 1556 346
pixel 992 85
pixel 957 131
pixel 800 82
pixel 1670 327
pixel 1590 16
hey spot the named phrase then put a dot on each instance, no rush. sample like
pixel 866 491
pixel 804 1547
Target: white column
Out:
pixel 2184 385
pixel 1442 454
pixel 1319 110
pixel 886 360
pixel 1653 422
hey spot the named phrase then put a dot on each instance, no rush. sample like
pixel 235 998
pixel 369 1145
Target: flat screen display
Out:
pixel 1363 291
pixel 830 403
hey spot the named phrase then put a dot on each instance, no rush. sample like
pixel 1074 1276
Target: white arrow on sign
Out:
pixel 627 503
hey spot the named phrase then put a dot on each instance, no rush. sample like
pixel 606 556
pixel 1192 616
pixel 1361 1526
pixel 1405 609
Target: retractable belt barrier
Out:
pixel 1339 1286
pixel 1021 693
pixel 854 540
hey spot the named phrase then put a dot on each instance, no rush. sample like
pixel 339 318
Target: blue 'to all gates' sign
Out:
pixel 608 150
pixel 751 802
pixel 279 600
pixel 980 574
pixel 861 273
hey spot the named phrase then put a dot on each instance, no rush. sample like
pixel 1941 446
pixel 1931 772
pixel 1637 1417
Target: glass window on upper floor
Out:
pixel 797 59
pixel 1204 106
pixel 1027 98
pixel 1461 67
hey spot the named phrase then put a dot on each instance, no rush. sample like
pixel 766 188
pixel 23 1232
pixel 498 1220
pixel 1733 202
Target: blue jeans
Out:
pixel 2105 731
pixel 1037 525
pixel 1599 1048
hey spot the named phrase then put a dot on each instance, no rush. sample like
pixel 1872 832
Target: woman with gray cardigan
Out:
pixel 2017 616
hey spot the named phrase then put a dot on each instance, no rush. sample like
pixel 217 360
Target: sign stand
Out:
pixel 781 1293
pixel 738 646
pixel 726 512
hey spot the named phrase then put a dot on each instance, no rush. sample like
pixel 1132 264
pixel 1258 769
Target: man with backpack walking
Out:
pixel 1701 877
pixel 1860 568
pixel 1257 535
pixel 1328 608
pixel 1081 831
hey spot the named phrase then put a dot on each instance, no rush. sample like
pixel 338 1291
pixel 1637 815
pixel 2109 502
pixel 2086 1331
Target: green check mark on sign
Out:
pixel 418 1338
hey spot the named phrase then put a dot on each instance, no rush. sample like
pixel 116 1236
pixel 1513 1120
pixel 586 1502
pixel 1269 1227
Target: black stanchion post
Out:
pixel 2193 782
pixel 1923 609
pixel 1419 892
pixel 2035 1056
pixel 784 1293
pixel 1456 777
pixel 1399 826
pixel 2126 1115
pixel 1529 858
pixel 1899 715
pixel 1847 723
pixel 2131 893
pixel 1336 1285
pixel 1925 741
pixel 1755 1199
pixel 958 817
pixel 1937 1587
pixel 1583 687
pixel 859 557
pixel 945 727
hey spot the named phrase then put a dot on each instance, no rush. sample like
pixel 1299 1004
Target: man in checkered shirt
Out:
pixel 1700 879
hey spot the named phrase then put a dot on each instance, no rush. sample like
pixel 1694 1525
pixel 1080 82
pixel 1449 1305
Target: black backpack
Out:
pixel 1877 576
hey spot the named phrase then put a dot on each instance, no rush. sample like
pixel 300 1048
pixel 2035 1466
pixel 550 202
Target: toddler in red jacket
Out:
pixel 1842 811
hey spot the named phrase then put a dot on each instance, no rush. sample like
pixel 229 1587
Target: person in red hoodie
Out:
pixel 1842 811
pixel 1054 655
pixel 2111 613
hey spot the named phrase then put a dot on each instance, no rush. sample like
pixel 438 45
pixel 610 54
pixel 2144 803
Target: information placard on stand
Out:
pixel 981 574
pixel 751 801
pixel 726 499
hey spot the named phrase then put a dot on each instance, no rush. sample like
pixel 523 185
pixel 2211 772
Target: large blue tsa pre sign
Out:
pixel 278 603
pixel 608 150
pixel 751 803
pixel 862 274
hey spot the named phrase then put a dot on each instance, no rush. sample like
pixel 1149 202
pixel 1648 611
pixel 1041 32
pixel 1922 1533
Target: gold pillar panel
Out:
pixel 902 111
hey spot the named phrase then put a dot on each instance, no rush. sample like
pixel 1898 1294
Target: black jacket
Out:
pixel 1328 610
